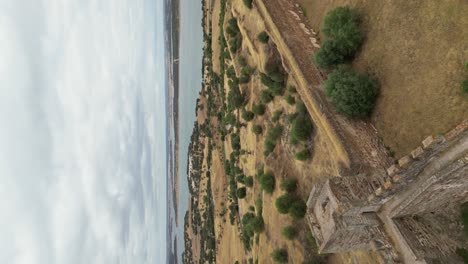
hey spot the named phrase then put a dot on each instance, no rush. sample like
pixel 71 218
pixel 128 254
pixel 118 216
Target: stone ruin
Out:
pixel 409 213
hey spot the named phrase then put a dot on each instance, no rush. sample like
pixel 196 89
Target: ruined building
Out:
pixel 409 213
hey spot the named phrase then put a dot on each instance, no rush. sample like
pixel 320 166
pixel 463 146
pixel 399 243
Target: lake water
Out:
pixel 190 72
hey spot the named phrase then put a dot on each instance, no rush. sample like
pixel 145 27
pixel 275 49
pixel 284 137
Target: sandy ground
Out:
pixel 417 51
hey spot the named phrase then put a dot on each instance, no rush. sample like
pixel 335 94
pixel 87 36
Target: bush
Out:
pixel 352 94
pixel 292 89
pixel 302 155
pixel 289 185
pixel 301 127
pixel 235 98
pixel 463 253
pixel 329 55
pixel 280 256
pixel 258 109
pixel 464 216
pixel 248 4
pixel 464 86
pixel 241 193
pixel 266 96
pixel 242 61
pixel 276 115
pixel 341 25
pixel 248 115
pixel 257 130
pixel 298 209
pixel 263 37
pixel 245 75
pixel 283 203
pixel 289 232
pixel 267 182
pixel 235 142
pixel 290 99
pixel 249 181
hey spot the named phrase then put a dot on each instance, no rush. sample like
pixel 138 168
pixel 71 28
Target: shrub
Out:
pixel 464 86
pixel 289 185
pixel 289 232
pixel 258 225
pixel 276 115
pixel 241 193
pixel 258 109
pixel 280 255
pixel 267 182
pixel 298 209
pixel 266 96
pixel 235 98
pixel 341 25
pixel 235 142
pixel 292 89
pixel 329 55
pixel 290 99
pixel 301 127
pixel 242 61
pixel 257 130
pixel 302 155
pixel 263 37
pixel 245 75
pixel 464 216
pixel 248 115
pixel 283 203
pixel 463 253
pixel 248 3
pixel 352 94
pixel 248 181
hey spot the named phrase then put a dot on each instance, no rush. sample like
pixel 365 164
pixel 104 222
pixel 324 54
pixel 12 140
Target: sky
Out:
pixel 82 135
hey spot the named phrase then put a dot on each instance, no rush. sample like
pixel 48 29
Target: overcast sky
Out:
pixel 82 135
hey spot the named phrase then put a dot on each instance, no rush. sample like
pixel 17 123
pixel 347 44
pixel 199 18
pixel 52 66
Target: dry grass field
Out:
pixel 416 49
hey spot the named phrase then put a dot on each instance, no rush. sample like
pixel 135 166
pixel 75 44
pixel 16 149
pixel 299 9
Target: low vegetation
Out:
pixel 351 93
pixel 289 232
pixel 263 37
pixel 267 182
pixel 280 256
pixel 343 37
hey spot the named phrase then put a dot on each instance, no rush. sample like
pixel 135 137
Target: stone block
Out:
pixel 378 191
pixel 417 152
pixel 429 141
pixel 392 170
pixel 405 161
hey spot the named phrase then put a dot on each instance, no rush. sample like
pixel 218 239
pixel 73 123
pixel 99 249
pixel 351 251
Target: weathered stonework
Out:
pixel 411 218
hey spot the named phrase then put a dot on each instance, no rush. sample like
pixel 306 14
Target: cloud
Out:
pixel 82 141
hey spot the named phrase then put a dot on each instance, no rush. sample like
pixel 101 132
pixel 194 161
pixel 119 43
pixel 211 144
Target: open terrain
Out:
pixel 336 144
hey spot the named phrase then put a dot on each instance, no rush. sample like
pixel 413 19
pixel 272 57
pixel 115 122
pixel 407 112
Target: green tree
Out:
pixel 351 93
pixel 241 193
pixel 280 256
pixel 342 25
pixel 464 86
pixel 284 202
pixel 263 37
pixel 329 55
pixel 301 127
pixel 289 232
pixel 249 181
pixel 258 109
pixel 266 96
pixel 267 182
pixel 248 115
pixel 289 185
pixel 298 209
pixel 257 130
